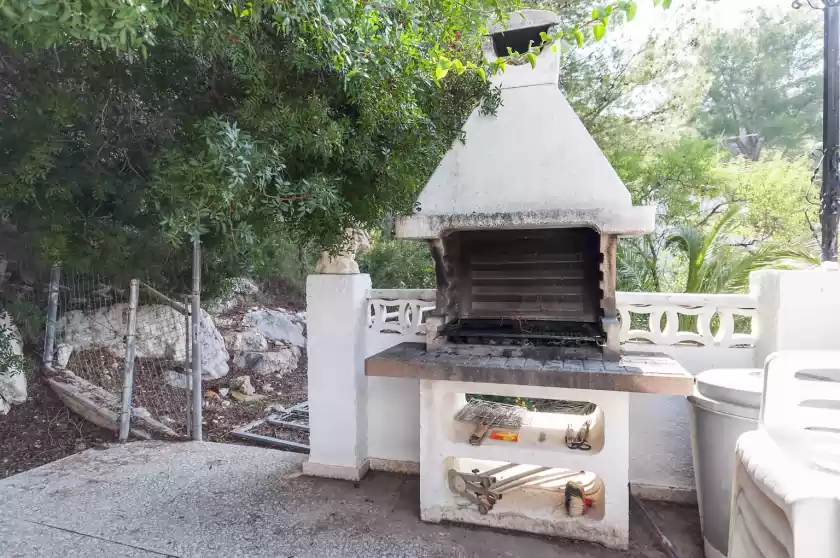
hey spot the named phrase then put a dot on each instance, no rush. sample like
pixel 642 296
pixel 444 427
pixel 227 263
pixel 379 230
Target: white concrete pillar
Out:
pixel 336 318
pixel 797 309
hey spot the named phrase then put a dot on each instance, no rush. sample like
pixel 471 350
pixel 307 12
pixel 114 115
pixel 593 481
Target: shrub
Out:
pixel 398 264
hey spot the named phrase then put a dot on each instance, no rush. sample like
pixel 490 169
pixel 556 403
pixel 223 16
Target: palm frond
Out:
pixel 636 269
pixel 716 266
pixel 730 267
pixel 692 243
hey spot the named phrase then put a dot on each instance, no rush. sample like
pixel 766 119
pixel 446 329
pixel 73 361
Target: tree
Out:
pixel 131 129
pixel 611 86
pixel 705 260
pixel 780 202
pixel 127 131
pixel 398 264
pixel 766 80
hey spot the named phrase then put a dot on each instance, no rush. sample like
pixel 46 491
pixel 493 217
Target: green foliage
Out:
pixel 284 260
pixel 604 85
pixel 637 266
pixel 11 363
pixel 398 264
pixel 131 126
pixel 675 175
pixel 779 200
pixel 122 24
pixel 704 259
pixel 755 74
pixel 714 264
pixel 687 177
pixel 146 123
pixel 29 317
pixel 767 79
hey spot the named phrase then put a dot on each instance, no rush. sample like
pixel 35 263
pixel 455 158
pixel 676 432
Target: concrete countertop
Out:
pixel 636 371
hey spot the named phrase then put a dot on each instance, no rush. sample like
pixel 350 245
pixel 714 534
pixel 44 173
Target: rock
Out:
pixel 226 403
pixel 241 397
pixel 161 333
pixel 250 340
pixel 12 374
pixel 275 408
pixel 81 446
pixel 244 286
pixel 62 355
pixel 344 263
pixel 225 323
pixel 223 392
pixel 241 289
pixel 177 379
pixel 281 361
pixel 243 385
pixel 140 412
pixel 214 356
pixel 267 388
pixel 276 326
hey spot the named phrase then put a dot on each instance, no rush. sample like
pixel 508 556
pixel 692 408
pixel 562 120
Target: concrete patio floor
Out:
pixel 192 499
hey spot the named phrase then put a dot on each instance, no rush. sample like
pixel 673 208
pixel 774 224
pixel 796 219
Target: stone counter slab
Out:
pixel 636 372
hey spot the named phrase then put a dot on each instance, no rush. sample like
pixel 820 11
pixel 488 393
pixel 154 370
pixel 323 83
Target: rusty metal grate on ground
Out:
pixel 293 417
pixel 287 429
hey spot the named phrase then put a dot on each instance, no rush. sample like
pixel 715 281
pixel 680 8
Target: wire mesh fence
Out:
pixel 162 374
pixel 91 313
pixel 121 341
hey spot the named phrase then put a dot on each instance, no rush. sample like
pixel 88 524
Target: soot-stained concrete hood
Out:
pixel 531 165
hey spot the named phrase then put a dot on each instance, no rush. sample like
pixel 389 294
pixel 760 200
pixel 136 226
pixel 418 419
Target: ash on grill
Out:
pixel 523 332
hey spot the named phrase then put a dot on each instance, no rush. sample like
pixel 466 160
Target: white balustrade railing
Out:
pixel 710 320
pixel 400 312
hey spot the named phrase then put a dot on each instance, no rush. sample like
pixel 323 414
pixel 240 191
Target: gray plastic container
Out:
pixel 725 404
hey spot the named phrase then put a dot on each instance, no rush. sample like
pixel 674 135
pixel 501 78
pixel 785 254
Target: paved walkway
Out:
pixel 191 499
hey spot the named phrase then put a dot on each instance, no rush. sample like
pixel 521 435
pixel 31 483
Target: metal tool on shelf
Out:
pixel 486 489
pixel 488 414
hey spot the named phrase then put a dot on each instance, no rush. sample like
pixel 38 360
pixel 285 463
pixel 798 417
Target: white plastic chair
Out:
pixel 786 490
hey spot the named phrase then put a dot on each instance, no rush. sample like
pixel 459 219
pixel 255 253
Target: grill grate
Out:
pixel 518 332
pixel 479 411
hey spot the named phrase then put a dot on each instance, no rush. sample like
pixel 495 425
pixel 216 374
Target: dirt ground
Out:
pixel 222 414
pixel 44 430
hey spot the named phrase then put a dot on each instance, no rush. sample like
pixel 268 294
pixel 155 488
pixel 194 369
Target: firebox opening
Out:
pixel 519 40
pixel 524 287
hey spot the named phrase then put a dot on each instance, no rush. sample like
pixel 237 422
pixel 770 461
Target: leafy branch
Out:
pixel 599 21
pixel 11 362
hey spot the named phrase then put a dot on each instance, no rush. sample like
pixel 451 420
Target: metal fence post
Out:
pixel 188 359
pixel 197 395
pixel 52 315
pixel 128 370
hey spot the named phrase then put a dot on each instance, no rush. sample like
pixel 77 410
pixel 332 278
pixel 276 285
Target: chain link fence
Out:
pixel 123 355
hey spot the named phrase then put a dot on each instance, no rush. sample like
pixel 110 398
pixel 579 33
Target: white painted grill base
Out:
pixel 439 403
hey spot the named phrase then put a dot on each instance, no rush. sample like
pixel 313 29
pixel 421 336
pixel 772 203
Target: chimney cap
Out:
pixel 524 19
